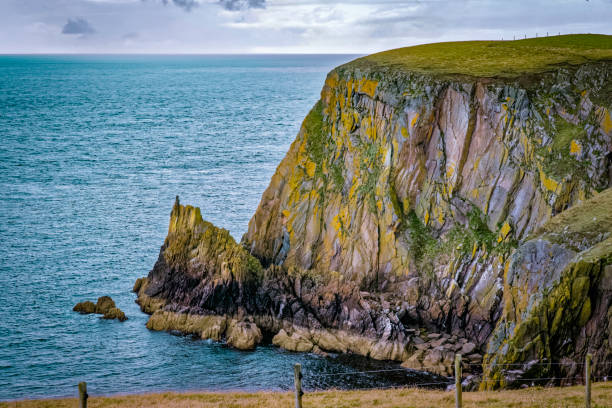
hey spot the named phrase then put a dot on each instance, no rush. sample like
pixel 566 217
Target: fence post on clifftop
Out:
pixel 587 380
pixel 297 369
pixel 83 395
pixel 458 396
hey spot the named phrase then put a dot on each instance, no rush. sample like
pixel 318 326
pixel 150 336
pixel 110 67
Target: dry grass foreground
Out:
pixel 395 398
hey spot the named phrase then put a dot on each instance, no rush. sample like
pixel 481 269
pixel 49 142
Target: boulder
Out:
pixel 115 313
pixel 468 348
pixel 105 303
pixel 85 307
pixel 295 342
pixel 243 335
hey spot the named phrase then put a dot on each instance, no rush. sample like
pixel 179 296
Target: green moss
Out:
pixel 479 230
pixel 557 160
pixel 506 59
pixel 421 239
pixel 581 224
pixel 337 177
pixel 315 135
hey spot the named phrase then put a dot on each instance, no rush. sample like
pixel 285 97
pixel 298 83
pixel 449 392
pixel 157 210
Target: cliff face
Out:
pixel 422 188
pixel 413 202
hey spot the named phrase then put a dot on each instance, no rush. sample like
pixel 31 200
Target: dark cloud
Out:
pixel 78 26
pixel 235 5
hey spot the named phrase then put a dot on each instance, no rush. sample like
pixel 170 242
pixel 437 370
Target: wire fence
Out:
pixel 508 373
pixel 512 374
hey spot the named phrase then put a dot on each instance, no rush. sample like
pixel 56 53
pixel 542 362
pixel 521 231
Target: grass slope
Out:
pixel 568 397
pixel 501 59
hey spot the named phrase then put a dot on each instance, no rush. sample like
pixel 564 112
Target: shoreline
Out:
pixel 572 396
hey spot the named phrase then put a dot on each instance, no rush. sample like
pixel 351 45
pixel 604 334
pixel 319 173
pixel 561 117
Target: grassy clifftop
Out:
pixel 504 59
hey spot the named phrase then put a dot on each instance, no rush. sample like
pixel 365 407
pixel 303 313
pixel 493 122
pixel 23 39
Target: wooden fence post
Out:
pixel 83 395
pixel 587 380
pixel 458 396
pixel 297 370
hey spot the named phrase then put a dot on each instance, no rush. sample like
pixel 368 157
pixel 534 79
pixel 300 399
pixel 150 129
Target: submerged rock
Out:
pixel 104 306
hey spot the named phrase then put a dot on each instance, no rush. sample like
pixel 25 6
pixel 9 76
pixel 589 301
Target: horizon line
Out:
pixel 179 54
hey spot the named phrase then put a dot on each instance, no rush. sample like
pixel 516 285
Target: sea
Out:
pixel 93 151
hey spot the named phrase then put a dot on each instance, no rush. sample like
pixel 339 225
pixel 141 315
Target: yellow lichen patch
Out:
pixel 475 193
pixel 547 111
pixel 332 81
pixel 341 222
pixel 575 147
pixel 450 170
pixel 310 169
pixel 286 213
pixel 426 217
pixel 405 132
pixel 476 163
pixel 474 249
pixel 527 147
pixel 548 183
pixel 414 120
pixel 368 87
pixel 439 215
pixel 504 231
pixel 347 120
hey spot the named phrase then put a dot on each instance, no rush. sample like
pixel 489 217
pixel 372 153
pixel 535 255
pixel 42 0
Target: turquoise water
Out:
pixel 93 151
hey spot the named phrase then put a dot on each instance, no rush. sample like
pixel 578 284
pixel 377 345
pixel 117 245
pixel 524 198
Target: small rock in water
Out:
pixel 105 306
pixel 86 307
pixel 105 303
pixel 115 313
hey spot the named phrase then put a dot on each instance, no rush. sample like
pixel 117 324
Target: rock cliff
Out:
pixel 425 201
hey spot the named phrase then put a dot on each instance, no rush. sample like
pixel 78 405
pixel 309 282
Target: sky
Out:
pixel 282 26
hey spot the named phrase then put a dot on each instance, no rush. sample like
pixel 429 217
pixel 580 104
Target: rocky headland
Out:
pixel 439 199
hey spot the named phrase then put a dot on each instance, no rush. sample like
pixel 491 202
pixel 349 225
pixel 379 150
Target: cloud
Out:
pixel 231 5
pixel 236 5
pixel 78 26
pixel 186 5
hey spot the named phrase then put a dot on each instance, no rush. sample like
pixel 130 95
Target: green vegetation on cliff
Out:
pixel 506 59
